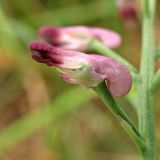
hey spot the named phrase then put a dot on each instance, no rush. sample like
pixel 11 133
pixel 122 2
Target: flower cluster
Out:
pixel 79 68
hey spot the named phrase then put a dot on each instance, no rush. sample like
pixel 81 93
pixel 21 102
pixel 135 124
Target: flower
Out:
pixel 78 37
pixel 86 69
pixel 127 10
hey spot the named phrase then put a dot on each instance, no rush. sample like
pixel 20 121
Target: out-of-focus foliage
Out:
pixel 41 116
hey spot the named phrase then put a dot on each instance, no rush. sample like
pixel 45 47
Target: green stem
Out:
pixel 145 4
pixel 101 48
pixel 146 94
pixel 124 119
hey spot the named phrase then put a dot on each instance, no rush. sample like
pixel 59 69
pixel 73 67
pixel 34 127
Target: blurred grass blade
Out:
pixel 24 127
pixel 23 32
pixel 82 13
pixel 8 37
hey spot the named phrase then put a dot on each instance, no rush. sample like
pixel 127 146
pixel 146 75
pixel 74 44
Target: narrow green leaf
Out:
pixel 138 141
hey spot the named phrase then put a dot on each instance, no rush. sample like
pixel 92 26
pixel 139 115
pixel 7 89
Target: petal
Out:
pixel 77 31
pixel 121 82
pixel 71 38
pixel 109 38
pixel 117 76
pixel 50 34
pixel 77 44
pixel 44 53
pixel 78 37
pixel 68 79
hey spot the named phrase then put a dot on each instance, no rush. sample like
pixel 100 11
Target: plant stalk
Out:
pixel 146 94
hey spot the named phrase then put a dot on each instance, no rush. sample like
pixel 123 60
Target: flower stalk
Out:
pixel 120 114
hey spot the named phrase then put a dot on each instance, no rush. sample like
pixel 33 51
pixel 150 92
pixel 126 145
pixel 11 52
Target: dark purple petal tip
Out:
pixel 50 34
pixel 43 53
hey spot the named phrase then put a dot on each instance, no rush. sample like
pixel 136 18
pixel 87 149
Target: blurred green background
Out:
pixel 41 116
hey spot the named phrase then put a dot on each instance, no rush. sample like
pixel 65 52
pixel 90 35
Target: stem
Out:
pixel 101 48
pixel 121 115
pixel 146 94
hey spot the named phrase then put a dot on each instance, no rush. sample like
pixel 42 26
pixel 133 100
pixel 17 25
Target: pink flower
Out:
pixel 86 69
pixel 78 37
pixel 127 10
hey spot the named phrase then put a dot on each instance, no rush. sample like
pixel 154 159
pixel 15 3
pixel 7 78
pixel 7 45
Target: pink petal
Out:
pixel 109 38
pixel 44 53
pixel 68 79
pixel 117 76
pixel 52 35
